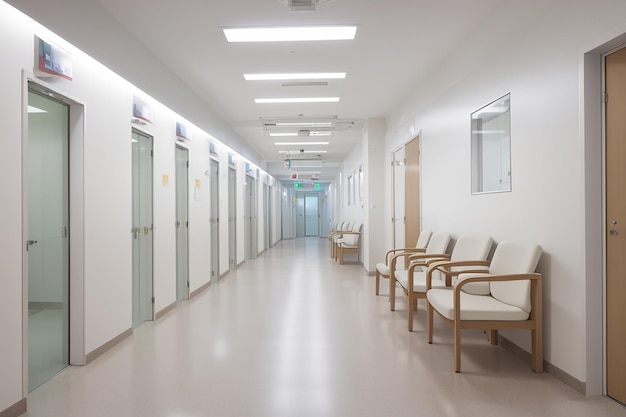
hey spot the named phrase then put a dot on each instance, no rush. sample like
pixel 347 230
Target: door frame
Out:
pixel 76 231
pixel 594 150
pixel 184 147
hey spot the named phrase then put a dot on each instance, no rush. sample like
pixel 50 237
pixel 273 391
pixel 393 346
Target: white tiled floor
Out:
pixel 295 334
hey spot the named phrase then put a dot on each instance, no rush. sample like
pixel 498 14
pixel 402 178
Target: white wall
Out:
pixel 521 50
pixel 107 99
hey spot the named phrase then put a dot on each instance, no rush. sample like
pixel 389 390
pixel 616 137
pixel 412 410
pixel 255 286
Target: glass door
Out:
pixel 215 219
pixel 312 214
pixel 182 223
pixel 48 241
pixel 251 219
pixel 398 188
pixel 232 218
pixel 143 302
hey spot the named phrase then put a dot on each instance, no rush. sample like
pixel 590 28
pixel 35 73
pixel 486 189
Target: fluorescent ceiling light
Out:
pixel 287 152
pixel 310 172
pixel 298 76
pixel 319 134
pixel 300 143
pixel 314 124
pixel 305 166
pixel 290 34
pixel 284 134
pixel 297 100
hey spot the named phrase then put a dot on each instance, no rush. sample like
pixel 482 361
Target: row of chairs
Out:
pixel 467 290
pixel 344 238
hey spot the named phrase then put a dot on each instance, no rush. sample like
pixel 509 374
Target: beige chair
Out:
pixel 470 252
pixel 345 227
pixel 382 268
pixel 349 243
pixel 436 249
pixel 509 296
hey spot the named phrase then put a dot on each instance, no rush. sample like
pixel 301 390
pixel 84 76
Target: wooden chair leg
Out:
pixel 429 322
pixel 457 346
pixel 377 282
pixel 537 351
pixel 340 255
pixel 493 337
pixel 409 308
pixel 392 293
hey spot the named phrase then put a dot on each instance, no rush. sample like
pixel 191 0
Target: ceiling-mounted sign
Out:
pixel 212 150
pixel 141 110
pixel 182 133
pixel 52 60
pixel 294 175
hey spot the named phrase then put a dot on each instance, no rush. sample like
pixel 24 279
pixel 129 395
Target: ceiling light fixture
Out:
pixel 296 152
pixel 290 34
pixel 300 143
pixel 326 133
pixel 312 124
pixel 295 76
pixel 284 134
pixel 296 100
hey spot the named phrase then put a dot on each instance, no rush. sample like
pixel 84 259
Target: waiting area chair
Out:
pixel 436 249
pixel 382 268
pixel 348 243
pixel 507 296
pixel 470 252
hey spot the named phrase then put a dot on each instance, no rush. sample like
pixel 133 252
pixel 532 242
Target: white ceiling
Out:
pixel 398 44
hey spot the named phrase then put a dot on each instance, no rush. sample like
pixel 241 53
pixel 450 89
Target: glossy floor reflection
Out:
pixel 294 334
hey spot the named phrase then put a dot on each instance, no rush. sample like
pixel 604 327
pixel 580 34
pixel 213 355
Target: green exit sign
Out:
pixel 297 185
pixel 316 186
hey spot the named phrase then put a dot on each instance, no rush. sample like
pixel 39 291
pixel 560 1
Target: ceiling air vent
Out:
pixel 303 5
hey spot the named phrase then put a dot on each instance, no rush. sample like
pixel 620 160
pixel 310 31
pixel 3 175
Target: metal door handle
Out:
pixel 30 243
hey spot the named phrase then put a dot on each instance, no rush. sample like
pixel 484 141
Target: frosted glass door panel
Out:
pixel 311 205
pixel 182 223
pixel 48 242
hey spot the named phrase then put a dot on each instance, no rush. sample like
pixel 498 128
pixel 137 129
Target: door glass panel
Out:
pixel 142 228
pixel 311 204
pixel 300 222
pixel 48 242
pixel 182 224
pixel 214 219
pixel 251 219
pixel 398 199
pixel 232 218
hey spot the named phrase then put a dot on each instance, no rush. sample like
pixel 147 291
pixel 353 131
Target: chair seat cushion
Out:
pixel 382 269
pixel 474 307
pixel 419 280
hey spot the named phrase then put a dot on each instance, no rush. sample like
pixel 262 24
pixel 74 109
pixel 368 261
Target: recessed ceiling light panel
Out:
pixel 296 76
pixel 290 34
pixel 297 100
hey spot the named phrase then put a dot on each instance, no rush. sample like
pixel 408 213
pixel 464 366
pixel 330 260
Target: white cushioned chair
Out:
pixel 345 227
pixel 348 243
pixel 509 296
pixel 382 268
pixel 470 252
pixel 436 249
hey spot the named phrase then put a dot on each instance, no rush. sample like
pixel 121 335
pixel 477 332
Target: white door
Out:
pixel 182 223
pixel 399 189
pixel 142 228
pixel 48 241
pixel 215 219
pixel 251 219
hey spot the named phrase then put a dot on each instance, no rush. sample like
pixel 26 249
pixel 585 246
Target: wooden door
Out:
pixel 412 193
pixel 616 225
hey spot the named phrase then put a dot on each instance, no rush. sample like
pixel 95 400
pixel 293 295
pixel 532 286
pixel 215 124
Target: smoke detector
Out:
pixel 303 5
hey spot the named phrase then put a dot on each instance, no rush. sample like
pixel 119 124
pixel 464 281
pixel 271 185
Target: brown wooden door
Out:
pixel 616 225
pixel 412 194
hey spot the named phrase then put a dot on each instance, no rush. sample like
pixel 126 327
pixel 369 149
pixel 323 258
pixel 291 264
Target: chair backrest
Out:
pixel 514 257
pixel 346 227
pixel 423 238
pixel 356 227
pixel 472 247
pixel 438 243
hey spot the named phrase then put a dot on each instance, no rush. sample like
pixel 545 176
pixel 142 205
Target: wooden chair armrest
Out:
pixel 395 251
pixel 444 266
